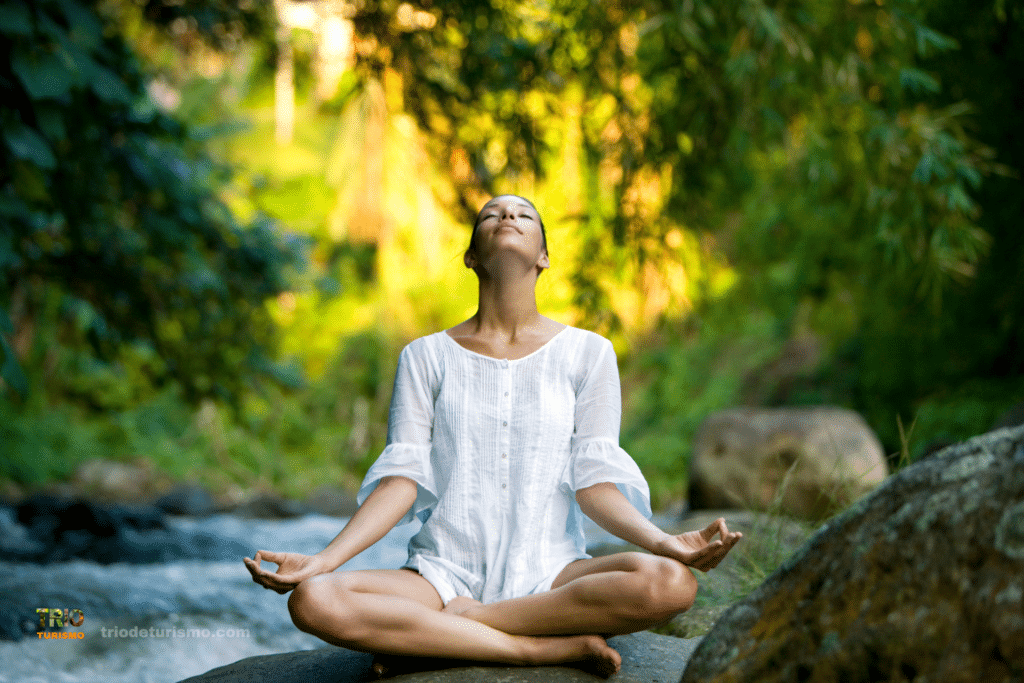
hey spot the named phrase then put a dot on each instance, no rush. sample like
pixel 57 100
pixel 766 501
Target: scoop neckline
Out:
pixel 540 348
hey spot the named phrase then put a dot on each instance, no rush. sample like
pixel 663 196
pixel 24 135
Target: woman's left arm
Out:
pixel 606 505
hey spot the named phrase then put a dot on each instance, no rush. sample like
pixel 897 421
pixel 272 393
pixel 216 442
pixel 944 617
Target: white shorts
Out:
pixel 449 584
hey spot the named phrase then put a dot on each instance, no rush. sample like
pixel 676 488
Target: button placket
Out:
pixel 506 414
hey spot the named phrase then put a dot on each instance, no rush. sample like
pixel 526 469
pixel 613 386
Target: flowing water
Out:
pixel 161 623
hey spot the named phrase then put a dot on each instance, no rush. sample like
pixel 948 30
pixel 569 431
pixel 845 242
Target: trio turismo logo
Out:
pixel 59 618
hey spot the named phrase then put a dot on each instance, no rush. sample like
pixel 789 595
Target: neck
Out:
pixel 507 305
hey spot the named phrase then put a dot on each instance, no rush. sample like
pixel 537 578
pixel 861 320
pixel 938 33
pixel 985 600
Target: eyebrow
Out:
pixel 521 205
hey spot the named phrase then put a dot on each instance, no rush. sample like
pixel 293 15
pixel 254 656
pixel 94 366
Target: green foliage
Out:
pixel 982 329
pixel 677 382
pixel 10 371
pixel 815 125
pixel 45 448
pixel 846 183
pixel 463 77
pixel 834 159
pixel 847 172
pixel 277 440
pixel 949 417
pixel 222 23
pixel 111 209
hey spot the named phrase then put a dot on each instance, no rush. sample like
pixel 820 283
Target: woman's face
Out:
pixel 508 222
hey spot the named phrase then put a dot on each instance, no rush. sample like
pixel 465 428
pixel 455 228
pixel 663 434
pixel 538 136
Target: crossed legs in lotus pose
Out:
pixel 397 611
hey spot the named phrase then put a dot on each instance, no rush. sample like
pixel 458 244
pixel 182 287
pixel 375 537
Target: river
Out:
pixel 160 623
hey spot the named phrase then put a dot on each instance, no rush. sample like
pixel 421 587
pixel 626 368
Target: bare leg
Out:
pixel 398 612
pixel 621 593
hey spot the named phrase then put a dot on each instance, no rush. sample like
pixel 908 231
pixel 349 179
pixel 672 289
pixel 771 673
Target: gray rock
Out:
pixel 646 658
pixel 922 580
pixel 45 529
pixel 187 499
pixel 113 481
pixel 309 666
pixel 270 507
pixel 807 462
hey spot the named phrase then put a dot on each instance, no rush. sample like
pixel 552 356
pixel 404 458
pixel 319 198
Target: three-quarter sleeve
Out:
pixel 595 453
pixel 410 428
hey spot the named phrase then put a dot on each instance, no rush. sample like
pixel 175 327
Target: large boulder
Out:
pixel 646 658
pixel 923 580
pixel 806 462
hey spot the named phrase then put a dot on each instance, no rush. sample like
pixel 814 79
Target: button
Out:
pixel 506 393
pixel 504 455
pixel 504 424
pixel 504 486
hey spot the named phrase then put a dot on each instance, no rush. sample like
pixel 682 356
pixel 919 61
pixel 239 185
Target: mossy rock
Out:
pixel 921 580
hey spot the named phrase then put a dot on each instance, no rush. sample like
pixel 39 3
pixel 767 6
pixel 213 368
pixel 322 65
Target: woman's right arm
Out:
pixel 379 513
pixel 381 510
pixel 399 479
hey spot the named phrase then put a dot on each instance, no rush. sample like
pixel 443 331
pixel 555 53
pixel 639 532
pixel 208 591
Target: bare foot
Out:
pixel 590 653
pixel 603 659
pixel 460 605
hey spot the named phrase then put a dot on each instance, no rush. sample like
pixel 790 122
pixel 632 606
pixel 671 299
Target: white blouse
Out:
pixel 498 449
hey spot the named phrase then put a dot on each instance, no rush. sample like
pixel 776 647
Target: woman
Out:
pixel 502 429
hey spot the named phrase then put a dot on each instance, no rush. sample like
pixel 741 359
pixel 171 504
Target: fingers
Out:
pixel 699 557
pixel 267 579
pixel 720 528
pixel 254 564
pixel 713 528
pixel 269 556
pixel 273 582
pixel 714 552
pixel 716 527
pixel 717 551
pixel 710 559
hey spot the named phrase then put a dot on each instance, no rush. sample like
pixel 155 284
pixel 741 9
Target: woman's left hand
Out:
pixel 697 549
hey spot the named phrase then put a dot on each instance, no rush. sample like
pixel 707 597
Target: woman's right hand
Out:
pixel 381 510
pixel 292 569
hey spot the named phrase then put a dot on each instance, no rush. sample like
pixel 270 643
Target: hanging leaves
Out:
pixel 111 209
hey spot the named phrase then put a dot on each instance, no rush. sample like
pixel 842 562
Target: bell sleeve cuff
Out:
pixel 404 460
pixel 602 460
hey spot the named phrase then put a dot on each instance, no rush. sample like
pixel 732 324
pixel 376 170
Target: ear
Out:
pixel 543 262
pixel 469 258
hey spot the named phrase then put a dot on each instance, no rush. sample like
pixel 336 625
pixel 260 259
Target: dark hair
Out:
pixel 476 223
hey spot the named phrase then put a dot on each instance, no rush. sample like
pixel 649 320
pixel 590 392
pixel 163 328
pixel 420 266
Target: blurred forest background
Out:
pixel 220 221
